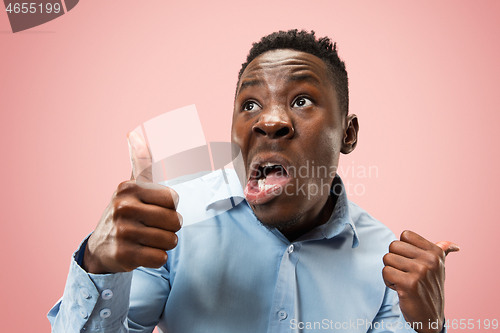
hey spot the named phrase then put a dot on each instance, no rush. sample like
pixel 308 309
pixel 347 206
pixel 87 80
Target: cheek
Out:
pixel 331 142
pixel 237 135
pixel 240 137
pixel 326 141
pixel 326 150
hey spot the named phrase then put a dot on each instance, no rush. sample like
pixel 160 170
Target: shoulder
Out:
pixel 371 232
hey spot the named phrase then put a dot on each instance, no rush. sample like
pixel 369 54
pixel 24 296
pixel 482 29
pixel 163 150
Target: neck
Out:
pixel 296 230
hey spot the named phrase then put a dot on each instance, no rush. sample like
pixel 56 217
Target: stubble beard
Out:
pixel 278 224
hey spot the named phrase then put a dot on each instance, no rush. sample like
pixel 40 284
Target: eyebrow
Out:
pixel 249 83
pixel 304 78
pixel 293 78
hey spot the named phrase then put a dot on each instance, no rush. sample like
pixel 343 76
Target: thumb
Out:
pixel 448 247
pixel 140 157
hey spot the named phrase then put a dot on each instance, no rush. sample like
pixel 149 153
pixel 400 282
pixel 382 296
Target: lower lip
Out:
pixel 257 197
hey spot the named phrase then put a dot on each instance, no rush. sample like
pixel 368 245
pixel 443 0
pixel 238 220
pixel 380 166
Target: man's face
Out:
pixel 290 130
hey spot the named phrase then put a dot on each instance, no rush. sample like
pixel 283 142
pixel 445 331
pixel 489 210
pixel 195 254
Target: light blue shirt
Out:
pixel 230 274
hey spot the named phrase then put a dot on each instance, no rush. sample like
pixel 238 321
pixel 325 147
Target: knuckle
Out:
pixel 175 240
pixel 386 258
pixel 421 271
pixel 124 232
pixel 179 221
pixel 432 260
pixel 393 246
pixel 159 261
pixel 126 187
pixel 412 286
pixel 122 208
pixel 175 197
pixel 405 235
pixel 434 263
pixel 171 241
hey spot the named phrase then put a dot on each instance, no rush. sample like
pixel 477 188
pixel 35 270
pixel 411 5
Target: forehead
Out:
pixel 283 63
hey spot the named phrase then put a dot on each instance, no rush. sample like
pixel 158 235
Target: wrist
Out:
pixel 91 263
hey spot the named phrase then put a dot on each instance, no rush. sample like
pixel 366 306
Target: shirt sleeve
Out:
pixel 389 319
pixel 103 302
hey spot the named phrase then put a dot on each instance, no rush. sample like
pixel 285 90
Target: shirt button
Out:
pixel 290 249
pixel 106 294
pixel 83 313
pixel 282 314
pixel 105 313
pixel 85 293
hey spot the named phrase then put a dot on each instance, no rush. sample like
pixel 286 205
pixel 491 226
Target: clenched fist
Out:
pixel 414 267
pixel 139 224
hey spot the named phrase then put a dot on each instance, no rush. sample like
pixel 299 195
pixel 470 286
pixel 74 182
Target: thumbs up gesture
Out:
pixel 414 268
pixel 139 224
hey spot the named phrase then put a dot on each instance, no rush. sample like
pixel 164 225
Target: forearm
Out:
pixel 92 302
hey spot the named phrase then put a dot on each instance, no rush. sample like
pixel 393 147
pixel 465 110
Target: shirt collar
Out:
pixel 341 215
pixel 228 186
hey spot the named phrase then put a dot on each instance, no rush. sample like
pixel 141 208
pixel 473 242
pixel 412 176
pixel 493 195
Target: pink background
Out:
pixel 424 81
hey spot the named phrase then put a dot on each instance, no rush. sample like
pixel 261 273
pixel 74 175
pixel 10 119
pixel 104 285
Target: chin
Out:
pixel 278 221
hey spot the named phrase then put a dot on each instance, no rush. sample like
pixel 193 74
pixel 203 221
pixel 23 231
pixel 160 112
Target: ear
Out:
pixel 351 134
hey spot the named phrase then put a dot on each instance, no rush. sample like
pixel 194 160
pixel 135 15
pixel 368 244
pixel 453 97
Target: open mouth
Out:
pixel 266 181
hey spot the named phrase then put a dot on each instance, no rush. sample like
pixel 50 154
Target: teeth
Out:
pixel 267 164
pixel 263 186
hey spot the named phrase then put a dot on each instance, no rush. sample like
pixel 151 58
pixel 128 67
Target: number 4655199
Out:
pixel 472 324
pixel 33 8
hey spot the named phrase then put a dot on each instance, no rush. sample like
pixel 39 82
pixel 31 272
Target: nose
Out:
pixel 274 124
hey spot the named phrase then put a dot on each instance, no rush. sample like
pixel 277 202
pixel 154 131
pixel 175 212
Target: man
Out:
pixel 294 255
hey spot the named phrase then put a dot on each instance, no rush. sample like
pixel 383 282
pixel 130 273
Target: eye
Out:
pixel 302 102
pixel 250 106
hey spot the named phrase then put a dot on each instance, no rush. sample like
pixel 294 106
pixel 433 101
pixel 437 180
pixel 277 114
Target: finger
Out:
pixel 161 218
pixel 415 239
pixel 429 258
pixel 140 157
pixel 149 193
pixel 156 238
pixel 161 196
pixel 448 247
pixel 146 256
pixel 393 276
pixel 399 262
pixel 148 215
pixel 404 249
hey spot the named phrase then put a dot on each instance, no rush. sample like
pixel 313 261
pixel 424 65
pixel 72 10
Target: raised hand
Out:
pixel 414 268
pixel 139 224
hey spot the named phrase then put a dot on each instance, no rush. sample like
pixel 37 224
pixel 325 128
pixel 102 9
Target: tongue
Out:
pixel 276 176
pixel 275 179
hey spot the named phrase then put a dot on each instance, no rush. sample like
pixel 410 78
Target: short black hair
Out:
pixel 304 41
